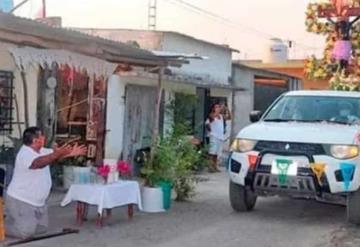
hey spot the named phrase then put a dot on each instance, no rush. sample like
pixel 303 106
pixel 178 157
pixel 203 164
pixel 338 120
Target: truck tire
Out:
pixel 353 207
pixel 242 199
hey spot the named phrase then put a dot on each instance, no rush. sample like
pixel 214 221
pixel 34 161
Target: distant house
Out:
pixel 208 79
pixel 289 67
pixel 261 88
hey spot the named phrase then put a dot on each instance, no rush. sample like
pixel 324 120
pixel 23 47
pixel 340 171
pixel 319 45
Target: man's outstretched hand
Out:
pixel 63 150
pixel 77 150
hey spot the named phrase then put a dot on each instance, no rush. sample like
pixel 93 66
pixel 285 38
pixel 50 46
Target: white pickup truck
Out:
pixel 306 145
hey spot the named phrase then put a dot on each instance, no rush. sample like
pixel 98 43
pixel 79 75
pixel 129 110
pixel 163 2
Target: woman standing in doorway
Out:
pixel 215 126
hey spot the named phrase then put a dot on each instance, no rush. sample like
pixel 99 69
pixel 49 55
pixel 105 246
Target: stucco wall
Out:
pixel 217 67
pixel 115 118
pixel 146 39
pixel 7 63
pixel 243 100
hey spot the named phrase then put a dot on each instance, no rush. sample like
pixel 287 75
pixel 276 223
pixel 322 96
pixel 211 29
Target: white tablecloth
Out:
pixel 105 196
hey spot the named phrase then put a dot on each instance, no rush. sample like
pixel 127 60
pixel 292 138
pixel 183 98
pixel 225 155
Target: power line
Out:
pixel 233 24
pixel 221 18
pixel 18 6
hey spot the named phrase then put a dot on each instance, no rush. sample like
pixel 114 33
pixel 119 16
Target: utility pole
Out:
pixel 44 9
pixel 152 10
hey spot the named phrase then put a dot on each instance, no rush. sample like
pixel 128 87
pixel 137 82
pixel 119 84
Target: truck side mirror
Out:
pixel 255 116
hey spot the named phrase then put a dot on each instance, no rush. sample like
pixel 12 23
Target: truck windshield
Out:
pixel 340 110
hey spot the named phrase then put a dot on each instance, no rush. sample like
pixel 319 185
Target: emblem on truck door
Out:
pixel 287 146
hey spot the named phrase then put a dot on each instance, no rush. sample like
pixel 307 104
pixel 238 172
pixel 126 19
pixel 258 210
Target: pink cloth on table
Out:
pixel 342 50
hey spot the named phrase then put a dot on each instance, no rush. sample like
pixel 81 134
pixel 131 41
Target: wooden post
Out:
pixel 44 9
pixel 46 103
pixel 155 133
pixel 2 224
pixel 130 211
pixel 26 97
pixel 80 212
pixel 100 220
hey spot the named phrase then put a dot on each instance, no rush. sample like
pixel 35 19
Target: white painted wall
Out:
pixel 115 114
pixel 150 40
pixel 243 100
pixel 217 67
pixel 7 63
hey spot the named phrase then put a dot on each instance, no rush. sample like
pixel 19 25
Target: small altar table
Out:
pixel 104 196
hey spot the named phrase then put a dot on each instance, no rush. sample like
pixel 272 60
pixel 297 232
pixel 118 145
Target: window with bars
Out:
pixel 6 102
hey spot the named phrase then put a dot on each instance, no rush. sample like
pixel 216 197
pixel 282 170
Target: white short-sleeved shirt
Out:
pixel 217 128
pixel 31 186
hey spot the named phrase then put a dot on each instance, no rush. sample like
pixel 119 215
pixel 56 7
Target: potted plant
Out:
pixel 188 158
pixel 158 174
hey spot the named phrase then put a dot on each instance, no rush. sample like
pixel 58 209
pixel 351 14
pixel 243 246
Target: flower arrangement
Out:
pixel 110 172
pixel 103 171
pixel 124 168
pixel 312 22
pixel 345 83
pixel 316 69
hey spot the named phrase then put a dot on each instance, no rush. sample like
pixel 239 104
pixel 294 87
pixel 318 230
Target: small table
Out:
pixel 104 196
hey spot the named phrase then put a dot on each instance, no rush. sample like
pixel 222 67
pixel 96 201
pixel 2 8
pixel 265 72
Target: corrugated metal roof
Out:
pixel 45 36
pixel 224 47
pixel 184 79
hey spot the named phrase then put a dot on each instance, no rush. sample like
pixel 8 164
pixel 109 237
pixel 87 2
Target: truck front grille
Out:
pixel 307 148
pixel 293 185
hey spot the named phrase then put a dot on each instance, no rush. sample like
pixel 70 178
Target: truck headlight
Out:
pixel 242 145
pixel 343 152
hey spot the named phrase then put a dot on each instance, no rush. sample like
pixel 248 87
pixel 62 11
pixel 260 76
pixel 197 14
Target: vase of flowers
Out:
pixel 103 171
pixel 124 169
pixel 111 170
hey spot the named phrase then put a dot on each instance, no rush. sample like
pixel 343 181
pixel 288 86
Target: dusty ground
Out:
pixel 209 221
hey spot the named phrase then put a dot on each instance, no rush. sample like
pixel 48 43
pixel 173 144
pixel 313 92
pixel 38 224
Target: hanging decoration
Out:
pixel 340 63
pixel 283 167
pixel 25 57
pixel 318 169
pixel 252 158
pixel 347 172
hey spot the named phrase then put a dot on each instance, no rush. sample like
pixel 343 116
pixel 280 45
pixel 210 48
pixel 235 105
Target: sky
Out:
pixel 249 26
